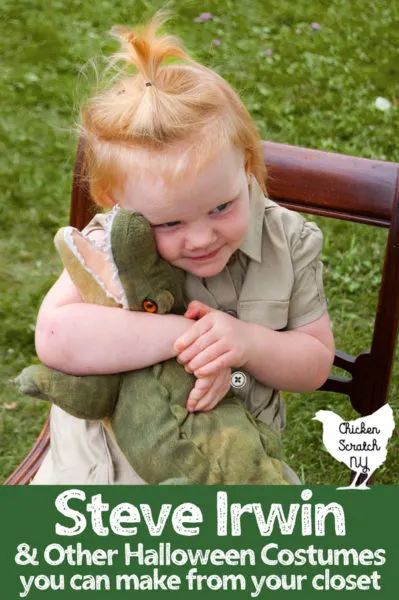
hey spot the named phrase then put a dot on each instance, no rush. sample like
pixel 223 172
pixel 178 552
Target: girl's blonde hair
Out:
pixel 181 114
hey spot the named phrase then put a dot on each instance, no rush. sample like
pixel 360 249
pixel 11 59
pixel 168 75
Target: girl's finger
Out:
pixel 210 354
pixel 197 310
pixel 198 329
pixel 200 344
pixel 212 397
pixel 201 387
pixel 214 366
pixel 215 394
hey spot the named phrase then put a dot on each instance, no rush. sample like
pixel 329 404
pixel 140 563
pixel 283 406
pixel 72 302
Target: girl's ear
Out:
pixel 248 172
pixel 109 201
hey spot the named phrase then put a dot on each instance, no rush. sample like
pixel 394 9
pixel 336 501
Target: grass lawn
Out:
pixel 309 73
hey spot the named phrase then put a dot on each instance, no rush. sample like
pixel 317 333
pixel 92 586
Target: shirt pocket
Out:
pixel 269 313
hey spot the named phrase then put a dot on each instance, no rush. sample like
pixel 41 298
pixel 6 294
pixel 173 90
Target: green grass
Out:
pixel 315 88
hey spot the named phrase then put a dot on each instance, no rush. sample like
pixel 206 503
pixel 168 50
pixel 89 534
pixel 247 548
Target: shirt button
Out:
pixel 230 311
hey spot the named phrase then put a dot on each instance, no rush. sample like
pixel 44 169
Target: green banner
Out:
pixel 242 542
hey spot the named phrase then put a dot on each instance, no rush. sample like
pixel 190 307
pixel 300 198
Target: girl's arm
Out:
pixel 298 360
pixel 83 339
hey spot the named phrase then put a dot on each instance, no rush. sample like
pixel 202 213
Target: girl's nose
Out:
pixel 200 237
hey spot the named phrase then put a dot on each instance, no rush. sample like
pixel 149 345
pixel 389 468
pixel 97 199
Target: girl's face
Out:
pixel 199 222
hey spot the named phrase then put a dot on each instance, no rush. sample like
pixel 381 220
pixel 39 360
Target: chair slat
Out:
pixel 334 185
pixel 387 317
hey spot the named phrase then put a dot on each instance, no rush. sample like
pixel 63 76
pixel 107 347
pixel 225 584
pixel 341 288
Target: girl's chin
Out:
pixel 206 271
pixel 207 267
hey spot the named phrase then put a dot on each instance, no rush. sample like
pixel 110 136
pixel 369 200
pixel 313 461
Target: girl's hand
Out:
pixel 215 342
pixel 209 391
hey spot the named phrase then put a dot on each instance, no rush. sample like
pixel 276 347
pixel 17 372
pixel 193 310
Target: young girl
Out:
pixel 175 143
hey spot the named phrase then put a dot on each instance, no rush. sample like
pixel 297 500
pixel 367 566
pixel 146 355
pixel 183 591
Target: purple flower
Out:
pixel 216 42
pixel 316 26
pixel 203 17
pixel 269 51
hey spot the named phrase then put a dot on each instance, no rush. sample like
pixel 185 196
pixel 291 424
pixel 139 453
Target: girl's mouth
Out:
pixel 205 257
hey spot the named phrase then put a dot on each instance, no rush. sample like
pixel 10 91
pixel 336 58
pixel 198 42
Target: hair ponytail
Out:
pixel 142 48
pixel 185 102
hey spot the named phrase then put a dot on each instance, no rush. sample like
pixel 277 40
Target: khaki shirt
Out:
pixel 273 279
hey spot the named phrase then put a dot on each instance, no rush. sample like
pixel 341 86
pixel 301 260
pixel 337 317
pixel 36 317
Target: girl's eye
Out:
pixel 169 224
pixel 221 207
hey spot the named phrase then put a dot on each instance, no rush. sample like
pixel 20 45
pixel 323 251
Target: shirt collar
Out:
pixel 252 243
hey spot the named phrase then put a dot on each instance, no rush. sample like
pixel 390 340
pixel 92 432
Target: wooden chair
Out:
pixel 320 183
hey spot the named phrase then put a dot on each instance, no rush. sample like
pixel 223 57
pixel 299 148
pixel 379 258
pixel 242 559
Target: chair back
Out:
pixel 363 191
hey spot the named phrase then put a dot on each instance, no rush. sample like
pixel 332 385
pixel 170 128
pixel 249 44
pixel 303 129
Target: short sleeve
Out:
pixel 307 302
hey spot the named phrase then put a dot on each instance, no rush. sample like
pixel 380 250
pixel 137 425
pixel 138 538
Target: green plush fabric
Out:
pixel 145 409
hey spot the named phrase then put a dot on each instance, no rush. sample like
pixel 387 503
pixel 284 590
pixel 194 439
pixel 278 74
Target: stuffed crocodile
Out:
pixel 145 409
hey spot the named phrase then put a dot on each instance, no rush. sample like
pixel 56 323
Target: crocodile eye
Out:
pixel 150 306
